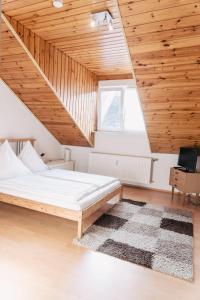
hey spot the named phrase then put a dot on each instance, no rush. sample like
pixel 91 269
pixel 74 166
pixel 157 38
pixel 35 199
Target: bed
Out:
pixel 70 195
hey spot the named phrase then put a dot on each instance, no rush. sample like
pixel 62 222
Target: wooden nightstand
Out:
pixel 187 183
pixel 61 164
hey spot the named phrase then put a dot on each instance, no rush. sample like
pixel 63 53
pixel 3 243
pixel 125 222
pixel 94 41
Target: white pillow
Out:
pixel 10 165
pixel 31 159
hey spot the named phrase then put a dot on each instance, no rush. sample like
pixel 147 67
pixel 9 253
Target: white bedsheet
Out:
pixel 61 193
pixel 96 180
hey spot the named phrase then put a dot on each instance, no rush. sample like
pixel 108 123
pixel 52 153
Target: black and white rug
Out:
pixel 153 236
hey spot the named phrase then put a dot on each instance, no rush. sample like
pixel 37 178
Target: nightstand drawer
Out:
pixel 179 184
pixel 177 177
pixel 178 180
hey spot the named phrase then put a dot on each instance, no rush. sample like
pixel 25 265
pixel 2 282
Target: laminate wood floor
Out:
pixel 38 261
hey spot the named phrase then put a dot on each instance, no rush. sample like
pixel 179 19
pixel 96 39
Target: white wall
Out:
pixel 16 121
pixel 122 143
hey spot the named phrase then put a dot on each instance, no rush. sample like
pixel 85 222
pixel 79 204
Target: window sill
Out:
pixel 121 132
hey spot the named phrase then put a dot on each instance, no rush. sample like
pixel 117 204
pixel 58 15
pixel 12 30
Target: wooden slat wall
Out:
pixel 164 42
pixel 75 85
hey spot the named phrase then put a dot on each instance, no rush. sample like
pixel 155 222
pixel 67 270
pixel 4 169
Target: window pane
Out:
pixel 111 110
pixel 133 116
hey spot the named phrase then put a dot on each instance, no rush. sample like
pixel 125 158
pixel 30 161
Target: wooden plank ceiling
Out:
pixel 64 100
pixel 164 42
pixel 68 29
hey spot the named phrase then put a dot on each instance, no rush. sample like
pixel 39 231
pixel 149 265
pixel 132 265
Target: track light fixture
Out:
pixel 110 26
pixel 92 23
pixel 58 3
pixel 102 18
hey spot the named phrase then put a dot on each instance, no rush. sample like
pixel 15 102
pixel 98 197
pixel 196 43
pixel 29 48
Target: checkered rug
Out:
pixel 153 236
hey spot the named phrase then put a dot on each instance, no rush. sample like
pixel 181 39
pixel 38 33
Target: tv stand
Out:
pixel 183 170
pixel 185 182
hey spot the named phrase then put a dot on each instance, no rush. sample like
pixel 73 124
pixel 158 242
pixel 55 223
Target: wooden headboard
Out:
pixel 18 143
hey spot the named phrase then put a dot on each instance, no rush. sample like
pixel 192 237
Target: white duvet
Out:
pixel 76 195
pixel 96 180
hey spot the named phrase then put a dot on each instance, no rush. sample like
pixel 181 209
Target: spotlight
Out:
pixel 110 26
pixel 92 23
pixel 102 18
pixel 58 3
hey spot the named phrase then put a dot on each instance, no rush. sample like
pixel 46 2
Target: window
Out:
pixel 111 109
pixel 119 110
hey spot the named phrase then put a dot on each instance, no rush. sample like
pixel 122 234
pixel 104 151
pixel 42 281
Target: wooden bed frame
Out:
pixel 79 216
pixel 69 214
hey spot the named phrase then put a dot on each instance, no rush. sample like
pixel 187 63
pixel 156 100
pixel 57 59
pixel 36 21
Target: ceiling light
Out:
pixel 110 26
pixel 58 3
pixel 101 19
pixel 92 23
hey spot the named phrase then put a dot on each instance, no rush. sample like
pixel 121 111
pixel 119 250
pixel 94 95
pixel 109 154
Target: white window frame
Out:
pixel 129 130
pixel 114 88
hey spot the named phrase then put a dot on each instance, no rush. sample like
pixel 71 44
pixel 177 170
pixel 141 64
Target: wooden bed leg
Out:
pixel 80 227
pixel 121 193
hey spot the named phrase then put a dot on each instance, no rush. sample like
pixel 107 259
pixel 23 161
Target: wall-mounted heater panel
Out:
pixel 129 169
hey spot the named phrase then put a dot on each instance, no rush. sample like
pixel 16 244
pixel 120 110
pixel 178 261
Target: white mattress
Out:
pixel 61 193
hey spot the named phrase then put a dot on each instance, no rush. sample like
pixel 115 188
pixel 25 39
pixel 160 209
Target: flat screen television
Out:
pixel 188 159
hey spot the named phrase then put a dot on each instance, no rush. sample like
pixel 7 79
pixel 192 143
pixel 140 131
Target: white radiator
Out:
pixel 129 169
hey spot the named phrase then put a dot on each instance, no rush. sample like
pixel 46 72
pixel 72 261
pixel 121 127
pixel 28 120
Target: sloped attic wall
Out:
pixel 16 121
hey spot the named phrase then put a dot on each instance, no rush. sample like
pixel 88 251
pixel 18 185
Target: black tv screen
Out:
pixel 188 158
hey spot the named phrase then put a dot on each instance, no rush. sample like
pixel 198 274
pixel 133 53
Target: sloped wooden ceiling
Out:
pixel 56 53
pixel 68 29
pixel 164 42
pixel 59 91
